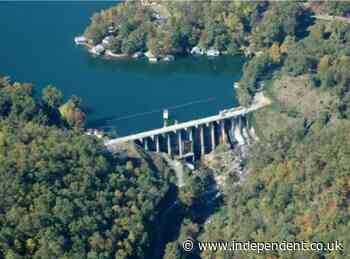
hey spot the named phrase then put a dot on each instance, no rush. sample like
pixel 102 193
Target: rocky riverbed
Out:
pixel 226 162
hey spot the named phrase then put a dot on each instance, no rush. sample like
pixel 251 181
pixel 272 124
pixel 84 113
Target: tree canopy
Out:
pixel 62 194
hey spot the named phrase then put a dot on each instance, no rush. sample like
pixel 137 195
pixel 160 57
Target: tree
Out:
pixel 152 45
pixel 324 64
pixel 287 43
pixel 72 113
pixel 134 42
pixel 174 251
pixel 275 52
pixel 52 97
pixel 62 194
pixel 337 8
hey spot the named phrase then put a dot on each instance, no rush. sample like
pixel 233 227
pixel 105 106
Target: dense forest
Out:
pixel 176 26
pixel 298 183
pixel 63 195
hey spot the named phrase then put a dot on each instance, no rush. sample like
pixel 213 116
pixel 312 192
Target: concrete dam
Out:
pixel 195 138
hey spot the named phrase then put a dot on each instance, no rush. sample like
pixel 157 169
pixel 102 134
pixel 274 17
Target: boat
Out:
pixel 151 57
pixel 80 40
pixel 197 51
pixel 138 54
pixel 213 52
pixel 236 85
pixel 168 58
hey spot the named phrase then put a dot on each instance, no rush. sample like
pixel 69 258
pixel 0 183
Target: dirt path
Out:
pixel 330 18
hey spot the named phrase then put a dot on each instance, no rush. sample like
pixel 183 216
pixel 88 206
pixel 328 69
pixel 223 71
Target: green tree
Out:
pixel 72 113
pixel 52 97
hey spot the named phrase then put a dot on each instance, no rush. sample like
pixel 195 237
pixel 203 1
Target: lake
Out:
pixel 126 95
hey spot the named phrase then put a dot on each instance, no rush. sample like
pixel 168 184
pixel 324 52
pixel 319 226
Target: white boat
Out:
pixel 80 40
pixel 236 85
pixel 151 57
pixel 168 58
pixel 213 52
pixel 197 51
pixel 138 54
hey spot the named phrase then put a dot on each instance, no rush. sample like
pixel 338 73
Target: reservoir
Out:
pixel 127 96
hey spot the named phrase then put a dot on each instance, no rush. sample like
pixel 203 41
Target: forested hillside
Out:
pixel 298 183
pixel 176 26
pixel 62 195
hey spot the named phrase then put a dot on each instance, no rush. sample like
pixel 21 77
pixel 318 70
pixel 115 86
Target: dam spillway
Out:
pixel 195 138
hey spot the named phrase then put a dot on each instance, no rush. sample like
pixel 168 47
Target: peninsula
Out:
pixel 162 30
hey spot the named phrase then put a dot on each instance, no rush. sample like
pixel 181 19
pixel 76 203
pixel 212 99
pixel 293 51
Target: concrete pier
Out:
pixel 233 126
pixel 212 134
pixel 145 144
pixel 157 143
pixel 168 137
pixel 191 137
pixel 232 130
pixel 180 143
pixel 202 143
pixel 223 135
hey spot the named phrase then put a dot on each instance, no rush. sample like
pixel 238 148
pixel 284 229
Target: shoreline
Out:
pixel 108 54
pixel 113 56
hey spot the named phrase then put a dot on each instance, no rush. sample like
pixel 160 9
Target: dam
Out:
pixel 197 137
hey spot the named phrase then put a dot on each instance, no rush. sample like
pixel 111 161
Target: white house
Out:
pixel 111 29
pixel 107 41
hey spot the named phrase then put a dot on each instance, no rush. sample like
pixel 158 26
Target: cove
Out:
pixel 126 95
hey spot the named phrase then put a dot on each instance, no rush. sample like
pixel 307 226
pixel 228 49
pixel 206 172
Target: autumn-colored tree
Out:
pixel 72 113
pixel 275 52
pixel 324 64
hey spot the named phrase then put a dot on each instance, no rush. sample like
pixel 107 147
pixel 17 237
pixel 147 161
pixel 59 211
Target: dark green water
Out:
pixel 37 46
